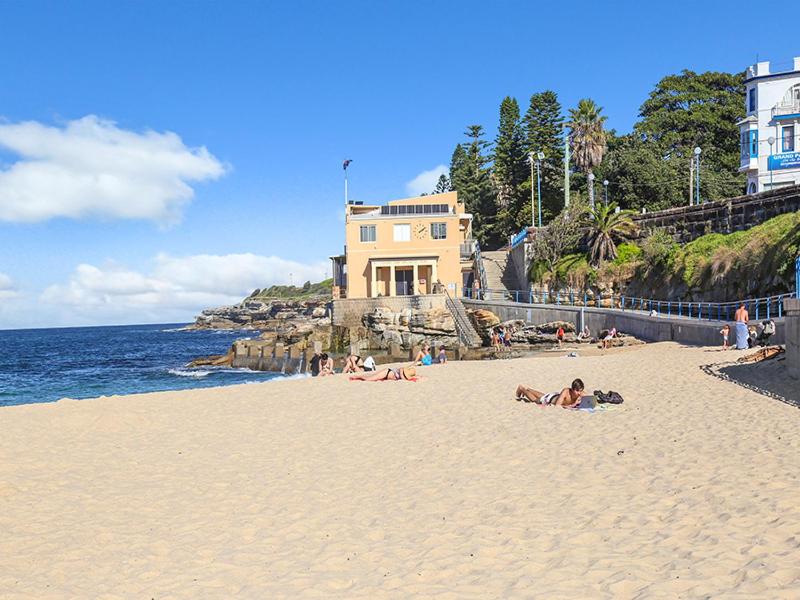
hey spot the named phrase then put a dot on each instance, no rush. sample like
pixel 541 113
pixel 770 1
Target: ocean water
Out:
pixel 44 365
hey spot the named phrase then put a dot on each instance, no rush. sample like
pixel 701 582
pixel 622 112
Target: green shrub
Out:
pixel 627 252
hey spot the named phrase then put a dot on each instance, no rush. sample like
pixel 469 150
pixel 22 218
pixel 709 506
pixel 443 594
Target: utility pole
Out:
pixel 691 180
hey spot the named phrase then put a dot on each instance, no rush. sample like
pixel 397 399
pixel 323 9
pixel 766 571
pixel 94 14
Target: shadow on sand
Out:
pixel 769 378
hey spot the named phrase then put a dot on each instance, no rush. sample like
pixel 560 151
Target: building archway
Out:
pixel 751 189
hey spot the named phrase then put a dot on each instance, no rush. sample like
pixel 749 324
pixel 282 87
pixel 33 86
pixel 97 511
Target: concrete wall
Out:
pixel 694 332
pixel 518 266
pixel 349 311
pixel 792 308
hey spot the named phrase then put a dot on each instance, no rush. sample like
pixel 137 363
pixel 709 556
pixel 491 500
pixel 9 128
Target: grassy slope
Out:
pixel 759 261
pixel 291 292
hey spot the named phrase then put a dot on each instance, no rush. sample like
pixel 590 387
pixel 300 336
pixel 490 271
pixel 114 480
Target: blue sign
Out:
pixel 789 160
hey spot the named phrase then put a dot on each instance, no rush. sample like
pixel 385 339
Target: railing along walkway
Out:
pixel 766 307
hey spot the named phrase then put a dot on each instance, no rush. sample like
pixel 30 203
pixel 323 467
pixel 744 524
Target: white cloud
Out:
pixel 175 290
pixel 7 289
pixel 426 181
pixel 92 168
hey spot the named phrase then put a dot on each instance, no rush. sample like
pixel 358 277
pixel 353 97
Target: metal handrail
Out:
pixel 797 276
pixel 519 238
pixel 479 262
pixel 461 330
pixel 765 307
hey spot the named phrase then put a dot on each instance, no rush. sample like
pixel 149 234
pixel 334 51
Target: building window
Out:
pixel 402 233
pixel 367 233
pixel 744 146
pixel 753 143
pixel 751 100
pixel 787 138
pixel 439 231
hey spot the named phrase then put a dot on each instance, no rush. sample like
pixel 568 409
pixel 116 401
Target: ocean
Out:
pixel 45 365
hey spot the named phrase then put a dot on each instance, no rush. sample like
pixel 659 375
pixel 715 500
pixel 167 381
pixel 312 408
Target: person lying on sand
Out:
pixel 399 374
pixel 568 397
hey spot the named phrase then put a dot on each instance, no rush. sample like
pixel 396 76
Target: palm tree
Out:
pixel 606 226
pixel 587 138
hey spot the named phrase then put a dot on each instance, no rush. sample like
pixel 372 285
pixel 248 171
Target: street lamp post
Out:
pixel 533 209
pixel 697 152
pixel 771 141
pixel 539 158
pixel 591 189
pixel 605 186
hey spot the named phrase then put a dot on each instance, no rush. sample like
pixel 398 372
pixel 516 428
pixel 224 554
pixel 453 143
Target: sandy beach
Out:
pixel 443 488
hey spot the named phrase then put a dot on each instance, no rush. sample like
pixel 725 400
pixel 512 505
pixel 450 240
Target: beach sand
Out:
pixel 443 488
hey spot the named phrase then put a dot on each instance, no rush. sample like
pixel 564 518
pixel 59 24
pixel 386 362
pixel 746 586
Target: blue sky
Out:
pixel 106 223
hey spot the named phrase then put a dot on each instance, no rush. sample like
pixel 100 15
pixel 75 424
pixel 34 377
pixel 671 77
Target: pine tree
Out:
pixel 442 185
pixel 510 170
pixel 470 177
pixel 544 126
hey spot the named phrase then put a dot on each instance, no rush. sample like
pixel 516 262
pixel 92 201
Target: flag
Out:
pixel 346 164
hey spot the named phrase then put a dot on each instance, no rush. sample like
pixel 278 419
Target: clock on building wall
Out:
pixel 421 231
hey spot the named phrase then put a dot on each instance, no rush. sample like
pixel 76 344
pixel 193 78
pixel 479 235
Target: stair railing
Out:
pixel 479 264
pixel 458 320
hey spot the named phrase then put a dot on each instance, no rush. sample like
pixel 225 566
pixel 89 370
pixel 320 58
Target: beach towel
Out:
pixel 742 334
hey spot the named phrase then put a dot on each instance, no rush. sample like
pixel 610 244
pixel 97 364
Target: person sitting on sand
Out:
pixel 326 365
pixel 315 364
pixel 585 334
pixel 569 396
pixel 424 356
pixel 608 337
pixel 442 356
pixel 351 365
pixel 399 374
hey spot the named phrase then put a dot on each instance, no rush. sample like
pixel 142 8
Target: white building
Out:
pixel 770 133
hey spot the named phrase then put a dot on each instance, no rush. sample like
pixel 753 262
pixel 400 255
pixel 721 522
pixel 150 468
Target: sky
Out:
pixel 159 158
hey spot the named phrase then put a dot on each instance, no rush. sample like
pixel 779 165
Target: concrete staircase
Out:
pixel 499 275
pixel 464 328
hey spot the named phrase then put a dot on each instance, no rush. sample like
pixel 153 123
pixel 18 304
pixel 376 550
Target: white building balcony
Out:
pixel 786 110
pixel 748 163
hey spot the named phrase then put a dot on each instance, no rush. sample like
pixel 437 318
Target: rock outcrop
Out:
pixel 409 327
pixel 264 314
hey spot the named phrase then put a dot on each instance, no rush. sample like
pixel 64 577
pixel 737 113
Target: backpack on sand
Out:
pixel 609 398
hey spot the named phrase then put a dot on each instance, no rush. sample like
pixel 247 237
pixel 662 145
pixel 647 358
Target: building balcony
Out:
pixel 467 248
pixel 748 163
pixel 786 110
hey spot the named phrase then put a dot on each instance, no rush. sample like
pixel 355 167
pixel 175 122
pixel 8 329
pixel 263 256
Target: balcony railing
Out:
pixel 467 248
pixel 788 108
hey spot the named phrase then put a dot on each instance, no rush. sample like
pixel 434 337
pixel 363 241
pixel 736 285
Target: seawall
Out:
pixel 792 308
pixel 696 332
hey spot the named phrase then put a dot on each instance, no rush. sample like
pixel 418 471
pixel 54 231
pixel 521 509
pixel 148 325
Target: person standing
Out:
pixel 742 333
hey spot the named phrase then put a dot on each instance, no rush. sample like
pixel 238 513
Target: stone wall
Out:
pixel 792 308
pixel 695 332
pixel 687 223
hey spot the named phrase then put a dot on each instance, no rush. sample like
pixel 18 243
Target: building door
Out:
pixel 404 282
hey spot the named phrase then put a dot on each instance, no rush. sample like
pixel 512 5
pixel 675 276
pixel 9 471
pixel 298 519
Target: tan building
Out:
pixel 405 248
